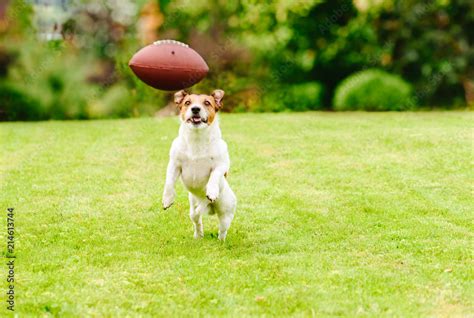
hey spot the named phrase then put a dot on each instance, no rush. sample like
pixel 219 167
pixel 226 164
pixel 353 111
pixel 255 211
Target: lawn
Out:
pixel 339 214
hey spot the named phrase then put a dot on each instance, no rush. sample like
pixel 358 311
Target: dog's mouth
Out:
pixel 196 120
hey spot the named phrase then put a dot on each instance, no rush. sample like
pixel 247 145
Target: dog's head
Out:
pixel 198 111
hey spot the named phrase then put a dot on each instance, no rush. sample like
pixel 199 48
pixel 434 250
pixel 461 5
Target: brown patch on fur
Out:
pixel 184 105
pixel 212 103
pixel 179 96
pixel 211 109
pixel 218 95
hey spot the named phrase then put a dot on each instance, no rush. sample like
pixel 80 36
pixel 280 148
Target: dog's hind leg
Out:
pixel 224 224
pixel 195 214
pixel 226 209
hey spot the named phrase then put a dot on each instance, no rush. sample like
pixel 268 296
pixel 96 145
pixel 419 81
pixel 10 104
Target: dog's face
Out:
pixel 198 111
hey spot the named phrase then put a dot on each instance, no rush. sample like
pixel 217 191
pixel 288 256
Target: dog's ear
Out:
pixel 179 96
pixel 218 95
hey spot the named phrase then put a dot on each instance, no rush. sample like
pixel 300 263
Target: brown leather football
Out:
pixel 168 65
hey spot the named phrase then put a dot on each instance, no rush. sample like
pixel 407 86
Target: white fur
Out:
pixel 200 157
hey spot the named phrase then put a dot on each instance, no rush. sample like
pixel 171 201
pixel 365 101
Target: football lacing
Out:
pixel 159 42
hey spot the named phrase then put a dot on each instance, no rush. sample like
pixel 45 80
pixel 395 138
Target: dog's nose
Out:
pixel 195 110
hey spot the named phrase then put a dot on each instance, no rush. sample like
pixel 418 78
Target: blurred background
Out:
pixel 68 59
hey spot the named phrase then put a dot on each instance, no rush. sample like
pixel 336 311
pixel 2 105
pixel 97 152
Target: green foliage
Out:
pixel 16 105
pixel 77 78
pixel 19 16
pixel 305 96
pixel 328 43
pixel 431 46
pixel 297 97
pixel 266 55
pixel 55 78
pixel 115 102
pixel 60 84
pixel 373 90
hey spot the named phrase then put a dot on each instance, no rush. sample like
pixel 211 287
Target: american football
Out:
pixel 168 65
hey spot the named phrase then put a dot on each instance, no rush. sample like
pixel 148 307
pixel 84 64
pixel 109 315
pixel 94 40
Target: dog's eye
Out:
pixel 187 103
pixel 207 103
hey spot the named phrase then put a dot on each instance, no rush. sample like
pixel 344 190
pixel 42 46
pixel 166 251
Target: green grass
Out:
pixel 340 214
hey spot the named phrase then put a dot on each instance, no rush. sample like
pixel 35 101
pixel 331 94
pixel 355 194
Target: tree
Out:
pixel 432 47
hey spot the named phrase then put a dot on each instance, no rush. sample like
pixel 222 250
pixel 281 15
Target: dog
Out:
pixel 199 155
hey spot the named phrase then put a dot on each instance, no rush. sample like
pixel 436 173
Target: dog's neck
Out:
pixel 199 140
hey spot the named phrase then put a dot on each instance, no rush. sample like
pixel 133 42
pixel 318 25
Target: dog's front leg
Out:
pixel 212 188
pixel 172 173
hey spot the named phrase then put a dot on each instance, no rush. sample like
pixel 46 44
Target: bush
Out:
pixel 56 78
pixel 116 102
pixel 16 105
pixel 301 97
pixel 373 90
pixel 297 97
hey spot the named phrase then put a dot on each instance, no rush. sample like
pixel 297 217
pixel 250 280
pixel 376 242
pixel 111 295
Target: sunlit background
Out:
pixel 68 59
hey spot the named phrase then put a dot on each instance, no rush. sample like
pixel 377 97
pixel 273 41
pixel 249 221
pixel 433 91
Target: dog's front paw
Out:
pixel 168 198
pixel 212 193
